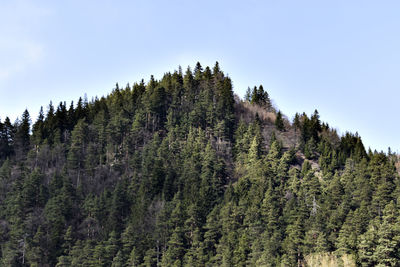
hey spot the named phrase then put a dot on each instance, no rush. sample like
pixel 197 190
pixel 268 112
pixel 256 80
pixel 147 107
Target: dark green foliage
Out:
pixel 258 96
pixel 6 139
pixel 279 121
pixel 179 172
pixel 22 136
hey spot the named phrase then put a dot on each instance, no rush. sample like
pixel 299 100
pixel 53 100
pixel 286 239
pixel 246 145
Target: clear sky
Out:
pixel 340 57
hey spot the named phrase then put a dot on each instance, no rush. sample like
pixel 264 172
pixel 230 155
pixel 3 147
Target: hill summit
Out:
pixel 181 172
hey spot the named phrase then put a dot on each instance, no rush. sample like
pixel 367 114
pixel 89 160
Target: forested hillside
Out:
pixel 181 172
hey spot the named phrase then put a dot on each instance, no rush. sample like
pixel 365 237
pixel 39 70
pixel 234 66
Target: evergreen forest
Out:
pixel 182 172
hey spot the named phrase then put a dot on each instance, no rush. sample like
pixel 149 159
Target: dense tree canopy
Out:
pixel 180 172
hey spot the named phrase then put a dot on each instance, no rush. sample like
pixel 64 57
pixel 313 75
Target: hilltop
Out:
pixel 181 172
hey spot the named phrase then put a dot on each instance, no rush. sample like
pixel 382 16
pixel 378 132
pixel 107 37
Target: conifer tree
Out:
pixel 76 155
pixel 22 135
pixel 279 122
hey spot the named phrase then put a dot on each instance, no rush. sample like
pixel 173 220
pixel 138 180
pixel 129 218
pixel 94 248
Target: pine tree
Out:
pixel 68 241
pixel 22 136
pixel 118 260
pixel 279 122
pixel 6 139
pixel 38 129
pixel 296 122
pixel 77 152
pixel 36 255
pixel 133 260
pixel 387 252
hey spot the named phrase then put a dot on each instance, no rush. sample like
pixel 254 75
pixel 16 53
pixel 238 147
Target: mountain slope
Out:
pixel 180 172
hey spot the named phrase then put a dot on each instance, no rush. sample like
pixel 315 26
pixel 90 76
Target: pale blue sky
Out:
pixel 340 57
